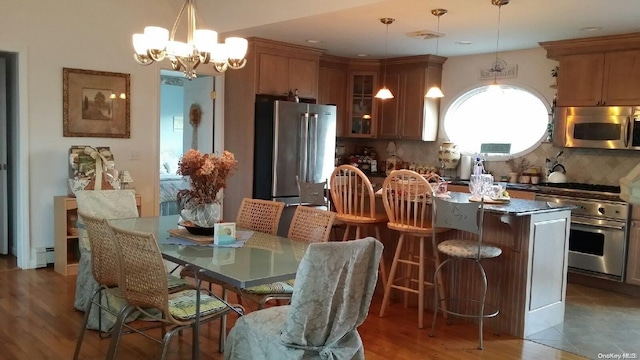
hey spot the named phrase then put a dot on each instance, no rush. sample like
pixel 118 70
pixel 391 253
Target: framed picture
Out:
pixel 178 123
pixel 95 104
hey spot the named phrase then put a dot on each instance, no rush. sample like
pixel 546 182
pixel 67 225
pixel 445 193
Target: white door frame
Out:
pixel 20 175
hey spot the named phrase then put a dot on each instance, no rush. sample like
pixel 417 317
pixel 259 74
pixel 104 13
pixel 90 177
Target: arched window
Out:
pixel 497 123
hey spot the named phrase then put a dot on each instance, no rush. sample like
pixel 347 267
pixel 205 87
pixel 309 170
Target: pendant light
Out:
pixel 497 66
pixel 385 93
pixel 435 91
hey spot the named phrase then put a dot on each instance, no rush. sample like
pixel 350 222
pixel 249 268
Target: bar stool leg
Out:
pixel 392 273
pixel 346 233
pixel 439 286
pixel 358 229
pixel 421 285
pixel 382 268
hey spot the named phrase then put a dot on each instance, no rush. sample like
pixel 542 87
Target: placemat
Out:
pixel 198 239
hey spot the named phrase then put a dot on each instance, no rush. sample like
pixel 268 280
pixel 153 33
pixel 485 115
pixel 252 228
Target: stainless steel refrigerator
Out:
pixel 291 139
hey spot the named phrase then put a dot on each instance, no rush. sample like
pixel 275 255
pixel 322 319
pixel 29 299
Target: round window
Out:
pixel 507 122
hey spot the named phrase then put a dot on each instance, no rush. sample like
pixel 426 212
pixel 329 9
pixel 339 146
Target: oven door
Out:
pixel 598 247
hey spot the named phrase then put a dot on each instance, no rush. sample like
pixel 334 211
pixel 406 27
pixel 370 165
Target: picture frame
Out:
pixel 96 104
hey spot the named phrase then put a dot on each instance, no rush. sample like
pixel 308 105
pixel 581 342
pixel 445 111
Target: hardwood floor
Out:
pixel 8 262
pixel 38 321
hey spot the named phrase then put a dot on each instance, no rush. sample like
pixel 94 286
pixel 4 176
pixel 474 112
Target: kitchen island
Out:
pixel 528 280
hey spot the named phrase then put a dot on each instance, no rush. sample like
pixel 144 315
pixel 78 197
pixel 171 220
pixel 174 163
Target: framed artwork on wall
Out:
pixel 95 104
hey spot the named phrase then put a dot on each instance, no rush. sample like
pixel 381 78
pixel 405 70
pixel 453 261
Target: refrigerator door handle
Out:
pixel 303 165
pixel 313 147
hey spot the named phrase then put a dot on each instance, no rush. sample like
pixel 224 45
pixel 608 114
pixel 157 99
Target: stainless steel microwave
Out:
pixel 599 127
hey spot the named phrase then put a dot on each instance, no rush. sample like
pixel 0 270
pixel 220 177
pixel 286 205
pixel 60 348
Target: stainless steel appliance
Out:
pixel 602 127
pixel 599 227
pixel 291 139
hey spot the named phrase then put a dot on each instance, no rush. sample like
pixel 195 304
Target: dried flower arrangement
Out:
pixel 207 174
pixel 518 166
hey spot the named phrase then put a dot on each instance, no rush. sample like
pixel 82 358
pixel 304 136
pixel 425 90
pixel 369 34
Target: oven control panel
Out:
pixel 591 208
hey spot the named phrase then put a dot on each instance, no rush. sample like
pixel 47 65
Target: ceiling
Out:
pixel 351 27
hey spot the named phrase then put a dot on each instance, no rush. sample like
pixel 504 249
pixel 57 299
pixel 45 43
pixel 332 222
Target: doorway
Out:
pixel 8 152
pixel 178 134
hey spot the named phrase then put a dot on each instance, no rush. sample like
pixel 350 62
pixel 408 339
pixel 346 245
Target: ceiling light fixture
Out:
pixel 435 91
pixel 498 66
pixel 202 46
pixel 385 93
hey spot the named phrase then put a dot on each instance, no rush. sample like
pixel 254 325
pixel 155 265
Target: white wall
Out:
pixel 93 35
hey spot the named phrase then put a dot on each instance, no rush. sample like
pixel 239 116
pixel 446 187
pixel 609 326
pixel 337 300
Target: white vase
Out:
pixel 448 155
pixel 203 215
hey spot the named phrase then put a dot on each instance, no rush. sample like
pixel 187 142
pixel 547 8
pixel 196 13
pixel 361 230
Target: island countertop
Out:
pixel 515 207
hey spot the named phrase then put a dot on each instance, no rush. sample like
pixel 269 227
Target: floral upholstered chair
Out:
pixel 331 298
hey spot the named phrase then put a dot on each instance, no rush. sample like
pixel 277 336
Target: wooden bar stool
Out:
pixel 406 196
pixel 353 197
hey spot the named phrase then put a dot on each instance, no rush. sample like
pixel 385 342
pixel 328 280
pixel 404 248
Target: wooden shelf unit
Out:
pixel 67 252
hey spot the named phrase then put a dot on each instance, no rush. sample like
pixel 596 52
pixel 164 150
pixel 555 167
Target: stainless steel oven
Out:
pixel 599 235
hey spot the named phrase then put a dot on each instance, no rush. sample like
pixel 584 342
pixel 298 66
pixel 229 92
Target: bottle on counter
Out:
pixel 295 96
pixel 478 167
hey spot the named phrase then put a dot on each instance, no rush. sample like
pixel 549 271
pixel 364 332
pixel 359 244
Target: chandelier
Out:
pixel 202 46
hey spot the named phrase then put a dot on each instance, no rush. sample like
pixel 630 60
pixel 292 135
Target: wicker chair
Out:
pixel 308 225
pixel 143 282
pixel 406 196
pixel 104 269
pixel 353 197
pixel 260 215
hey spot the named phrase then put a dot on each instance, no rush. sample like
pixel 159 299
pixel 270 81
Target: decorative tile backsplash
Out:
pixel 592 166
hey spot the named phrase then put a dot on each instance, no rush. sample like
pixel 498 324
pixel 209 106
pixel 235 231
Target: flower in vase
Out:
pixel 207 174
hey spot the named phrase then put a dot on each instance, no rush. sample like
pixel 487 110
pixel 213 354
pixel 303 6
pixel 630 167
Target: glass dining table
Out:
pixel 262 259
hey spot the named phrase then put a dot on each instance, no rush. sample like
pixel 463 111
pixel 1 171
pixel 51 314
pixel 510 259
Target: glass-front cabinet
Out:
pixel 362 120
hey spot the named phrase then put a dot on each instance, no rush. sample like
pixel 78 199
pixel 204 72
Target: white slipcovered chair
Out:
pixel 331 297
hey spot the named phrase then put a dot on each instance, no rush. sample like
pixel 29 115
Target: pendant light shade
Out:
pixel 435 91
pixel 385 93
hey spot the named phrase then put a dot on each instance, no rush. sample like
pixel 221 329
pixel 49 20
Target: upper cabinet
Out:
pixel 283 68
pixel 611 78
pixel 409 115
pixel 362 112
pixel 332 89
pixel 597 71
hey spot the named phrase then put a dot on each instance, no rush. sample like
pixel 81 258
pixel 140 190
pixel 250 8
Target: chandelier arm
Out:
pixel 172 36
pixel 143 59
pixel 237 65
pixel 191 21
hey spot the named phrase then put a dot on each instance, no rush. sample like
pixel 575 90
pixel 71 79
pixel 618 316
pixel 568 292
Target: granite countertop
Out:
pixel 515 207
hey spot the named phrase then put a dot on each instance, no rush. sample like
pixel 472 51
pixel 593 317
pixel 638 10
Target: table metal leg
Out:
pixel 223 323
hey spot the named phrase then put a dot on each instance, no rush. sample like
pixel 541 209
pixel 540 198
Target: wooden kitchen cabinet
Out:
pixel 597 71
pixel 67 251
pixel 409 115
pixel 332 89
pixel 633 249
pixel 599 79
pixel 362 110
pixel 279 74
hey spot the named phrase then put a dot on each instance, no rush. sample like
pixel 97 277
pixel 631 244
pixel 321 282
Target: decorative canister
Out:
pixel 448 155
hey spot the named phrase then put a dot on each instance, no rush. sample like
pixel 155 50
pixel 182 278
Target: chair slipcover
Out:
pixel 107 204
pixel 331 298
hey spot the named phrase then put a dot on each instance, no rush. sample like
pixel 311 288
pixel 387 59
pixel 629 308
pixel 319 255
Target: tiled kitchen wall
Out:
pixel 592 166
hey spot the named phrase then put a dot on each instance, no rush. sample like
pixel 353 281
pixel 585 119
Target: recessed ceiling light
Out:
pixel 591 28
pixel 464 42
pixel 362 55
pixel 312 41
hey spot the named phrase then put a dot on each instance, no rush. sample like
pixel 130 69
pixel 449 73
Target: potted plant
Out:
pixel 554 74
